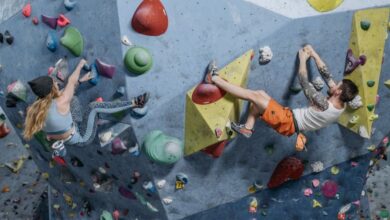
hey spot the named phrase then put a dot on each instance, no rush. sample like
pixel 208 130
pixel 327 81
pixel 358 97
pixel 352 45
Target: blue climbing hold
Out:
pixel 94 74
pixel 52 41
pixel 69 5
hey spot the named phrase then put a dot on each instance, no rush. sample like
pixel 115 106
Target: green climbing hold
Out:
pixel 370 83
pixel 370 107
pixel 41 138
pixel 138 60
pixel 365 25
pixel 73 41
pixel 106 216
pixel 269 148
pixel 162 148
pixel 295 89
pixel 384 214
pixel 387 83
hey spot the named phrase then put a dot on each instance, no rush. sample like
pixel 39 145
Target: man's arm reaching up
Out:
pixel 315 97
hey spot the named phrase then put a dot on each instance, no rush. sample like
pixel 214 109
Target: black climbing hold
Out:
pixel 1 38
pixel 8 37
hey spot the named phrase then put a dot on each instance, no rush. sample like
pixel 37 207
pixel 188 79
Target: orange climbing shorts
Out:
pixel 279 118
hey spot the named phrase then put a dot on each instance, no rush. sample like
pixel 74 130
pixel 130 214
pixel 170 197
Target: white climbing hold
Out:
pixel 318 83
pixel 102 170
pixel 105 136
pixel 317 166
pixel 345 208
pixel 363 132
pixel 126 41
pixel 167 200
pixel 161 183
pixel 265 55
pixel 356 102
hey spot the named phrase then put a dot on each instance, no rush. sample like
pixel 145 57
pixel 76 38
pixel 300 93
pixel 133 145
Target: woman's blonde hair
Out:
pixel 37 112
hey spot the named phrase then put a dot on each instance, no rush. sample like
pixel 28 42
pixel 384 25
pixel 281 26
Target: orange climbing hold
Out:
pixel 27 10
pixel 62 21
pixel 150 18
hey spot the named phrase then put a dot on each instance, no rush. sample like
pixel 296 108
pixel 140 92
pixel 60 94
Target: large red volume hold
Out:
pixel 206 93
pixel 288 168
pixel 150 18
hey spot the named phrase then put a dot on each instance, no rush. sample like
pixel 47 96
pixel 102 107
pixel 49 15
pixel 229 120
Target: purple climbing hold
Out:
pixel 105 69
pixel 329 189
pixel 126 193
pixel 118 147
pixel 351 63
pixel 50 21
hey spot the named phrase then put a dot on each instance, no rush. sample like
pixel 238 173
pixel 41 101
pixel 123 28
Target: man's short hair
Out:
pixel 349 90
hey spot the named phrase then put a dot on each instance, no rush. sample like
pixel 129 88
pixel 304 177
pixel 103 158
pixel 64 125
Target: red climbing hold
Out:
pixel 215 150
pixel 329 189
pixel 4 130
pixel 35 20
pixel 62 21
pixel 150 18
pixel 99 99
pixel 27 10
pixel 59 160
pixel 288 168
pixel 105 69
pixel 206 93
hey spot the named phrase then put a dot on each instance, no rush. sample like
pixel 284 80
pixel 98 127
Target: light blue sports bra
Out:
pixel 57 123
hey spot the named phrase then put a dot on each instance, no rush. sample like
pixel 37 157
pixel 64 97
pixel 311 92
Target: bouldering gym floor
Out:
pixel 177 157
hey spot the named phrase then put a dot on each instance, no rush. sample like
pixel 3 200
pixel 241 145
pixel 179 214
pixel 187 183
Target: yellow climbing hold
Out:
pixel 371 44
pixel 201 121
pixel 45 175
pixel 324 5
pixel 316 204
pixel 371 148
pixel 373 117
pixel 335 170
pixel 387 83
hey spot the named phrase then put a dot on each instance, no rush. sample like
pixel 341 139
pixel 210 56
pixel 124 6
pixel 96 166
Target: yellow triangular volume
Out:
pixel 201 121
pixel 369 42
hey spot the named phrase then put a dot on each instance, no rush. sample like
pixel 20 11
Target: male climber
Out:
pixel 321 112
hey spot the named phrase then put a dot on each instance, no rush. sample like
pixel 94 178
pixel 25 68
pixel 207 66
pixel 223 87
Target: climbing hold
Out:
pixel 162 148
pixel 138 60
pixel 105 69
pixel 5 189
pixel 51 41
pixel 18 90
pixel 315 183
pixel 373 117
pixel 62 21
pixel 69 5
pixel 134 150
pixel 371 148
pixel 182 178
pixel 253 203
pixel 27 10
pixel 118 147
pixel 256 186
pixel 50 21
pixel 167 200
pixel 206 93
pixel 61 69
pixel 356 102
pixel 116 214
pixel 354 119
pixel 288 168
pixel 296 89
pixel 329 189
pixel 378 98
pixel 351 63
pixel 73 41
pixel 363 132
pixel 335 170
pixel 365 24
pixel 76 162
pixel 218 132
pixel 308 192
pixel 94 75
pixel 318 83
pixel 370 83
pixel 8 37
pixel 4 130
pixel 265 55
pixel 387 83
pixel 99 99
pixel 269 148
pixel 35 20
pixel 149 186
pixel 161 183
pixel 150 18
pixel 324 5
pixel 106 215
pixel 139 112
pixel 151 207
pixel 125 40
pixel 317 166
pixel 121 91
pixel 370 107
pixel 316 204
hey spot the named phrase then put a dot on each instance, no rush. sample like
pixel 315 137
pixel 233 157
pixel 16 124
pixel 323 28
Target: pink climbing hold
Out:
pixel 27 10
pixel 351 63
pixel 315 183
pixel 308 192
pixel 116 214
pixel 50 21
pixel 35 20
pixel 118 147
pixel 99 99
pixel 105 69
pixel 329 189
pixel 62 21
pixel 150 18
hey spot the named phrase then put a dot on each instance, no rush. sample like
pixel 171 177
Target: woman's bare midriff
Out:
pixel 60 136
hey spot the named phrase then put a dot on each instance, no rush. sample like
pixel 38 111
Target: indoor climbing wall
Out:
pixel 368 36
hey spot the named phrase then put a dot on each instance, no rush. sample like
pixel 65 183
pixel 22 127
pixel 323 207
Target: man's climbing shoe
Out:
pixel 241 129
pixel 141 100
pixel 8 37
pixel 212 70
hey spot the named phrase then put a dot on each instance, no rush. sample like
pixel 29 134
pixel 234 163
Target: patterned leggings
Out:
pixel 88 126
